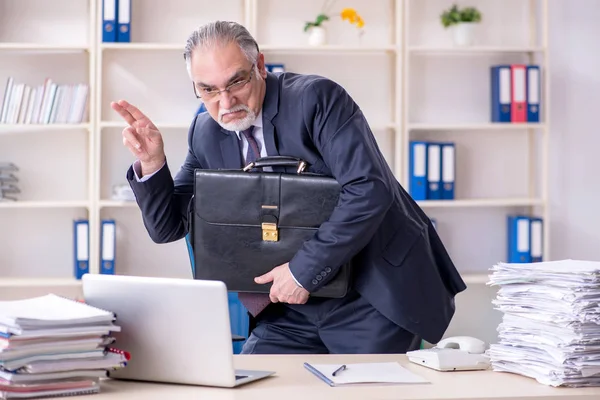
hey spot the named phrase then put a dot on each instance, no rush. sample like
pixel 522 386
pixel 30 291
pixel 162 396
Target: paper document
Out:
pixel 50 311
pixel 390 372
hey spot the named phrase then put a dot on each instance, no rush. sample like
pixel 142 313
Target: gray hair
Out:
pixel 220 33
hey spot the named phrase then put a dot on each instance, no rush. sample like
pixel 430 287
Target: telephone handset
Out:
pixel 458 353
pixel 465 343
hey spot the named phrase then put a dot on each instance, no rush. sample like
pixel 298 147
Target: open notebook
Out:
pixel 50 311
pixel 387 372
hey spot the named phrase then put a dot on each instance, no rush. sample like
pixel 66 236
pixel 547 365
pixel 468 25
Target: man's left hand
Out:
pixel 284 289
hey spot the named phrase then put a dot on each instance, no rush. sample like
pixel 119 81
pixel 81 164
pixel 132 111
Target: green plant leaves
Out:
pixel 455 15
pixel 318 21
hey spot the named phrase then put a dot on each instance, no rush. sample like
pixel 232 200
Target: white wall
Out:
pixel 575 140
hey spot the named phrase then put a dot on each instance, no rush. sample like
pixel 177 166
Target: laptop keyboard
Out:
pixel 238 377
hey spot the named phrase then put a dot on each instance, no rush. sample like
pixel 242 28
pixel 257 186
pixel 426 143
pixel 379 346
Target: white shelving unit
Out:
pixel 501 168
pixel 394 73
pixel 41 40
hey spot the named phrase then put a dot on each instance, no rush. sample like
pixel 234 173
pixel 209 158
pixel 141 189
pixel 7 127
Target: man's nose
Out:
pixel 226 100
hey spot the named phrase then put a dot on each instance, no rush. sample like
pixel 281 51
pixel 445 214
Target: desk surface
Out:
pixel 293 382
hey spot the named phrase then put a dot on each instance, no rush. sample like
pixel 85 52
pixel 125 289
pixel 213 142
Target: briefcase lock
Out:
pixel 269 232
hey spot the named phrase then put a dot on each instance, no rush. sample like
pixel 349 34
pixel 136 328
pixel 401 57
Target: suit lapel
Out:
pixel 230 150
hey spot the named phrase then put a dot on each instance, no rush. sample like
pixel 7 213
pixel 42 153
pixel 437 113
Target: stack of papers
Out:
pixel 8 181
pixel 551 321
pixel 54 346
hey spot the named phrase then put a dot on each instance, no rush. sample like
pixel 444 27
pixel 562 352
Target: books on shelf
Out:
pixel 432 168
pixel 550 329
pixel 8 181
pixel 55 346
pixel 515 93
pixel 47 103
pixel 525 239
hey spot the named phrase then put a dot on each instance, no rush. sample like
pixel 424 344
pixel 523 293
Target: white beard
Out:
pixel 239 124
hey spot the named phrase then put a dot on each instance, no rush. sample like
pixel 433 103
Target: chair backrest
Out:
pixel 240 321
pixel 191 254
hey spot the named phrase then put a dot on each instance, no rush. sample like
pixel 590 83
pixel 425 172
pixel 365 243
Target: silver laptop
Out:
pixel 176 330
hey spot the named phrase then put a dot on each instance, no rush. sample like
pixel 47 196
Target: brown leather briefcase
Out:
pixel 246 222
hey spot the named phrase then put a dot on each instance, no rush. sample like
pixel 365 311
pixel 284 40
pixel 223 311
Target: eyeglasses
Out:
pixel 209 95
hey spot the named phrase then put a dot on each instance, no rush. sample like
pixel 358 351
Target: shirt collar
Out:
pixel 257 123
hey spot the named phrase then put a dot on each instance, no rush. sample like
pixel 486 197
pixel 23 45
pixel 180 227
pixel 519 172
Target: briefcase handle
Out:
pixel 277 161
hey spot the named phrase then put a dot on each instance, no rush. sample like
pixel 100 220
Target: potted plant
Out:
pixel 316 29
pixel 462 21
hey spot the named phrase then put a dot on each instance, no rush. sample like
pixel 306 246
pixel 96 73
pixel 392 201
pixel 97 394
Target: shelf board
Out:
pixel 31 282
pixel 474 127
pixel 327 49
pixel 476 278
pixel 509 202
pixel 117 204
pixel 474 50
pixel 9 128
pixel 44 204
pixel 44 47
pixel 143 46
pixel 166 125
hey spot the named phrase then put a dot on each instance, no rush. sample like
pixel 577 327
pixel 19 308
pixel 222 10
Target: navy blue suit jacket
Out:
pixel 401 266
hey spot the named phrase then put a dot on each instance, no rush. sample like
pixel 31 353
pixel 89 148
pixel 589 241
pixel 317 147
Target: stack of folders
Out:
pixel 8 182
pixel 525 239
pixel 116 21
pixel 54 346
pixel 432 166
pixel 275 68
pixel 516 94
pixel 551 321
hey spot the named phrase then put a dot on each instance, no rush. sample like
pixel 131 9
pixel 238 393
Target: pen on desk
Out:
pixel 340 369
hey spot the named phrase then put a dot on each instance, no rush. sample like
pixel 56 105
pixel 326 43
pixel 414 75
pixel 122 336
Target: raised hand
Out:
pixel 141 137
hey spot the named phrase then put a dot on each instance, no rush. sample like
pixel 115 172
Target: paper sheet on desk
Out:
pixel 390 372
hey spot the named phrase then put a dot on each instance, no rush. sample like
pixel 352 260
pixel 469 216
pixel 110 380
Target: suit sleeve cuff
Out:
pixel 137 170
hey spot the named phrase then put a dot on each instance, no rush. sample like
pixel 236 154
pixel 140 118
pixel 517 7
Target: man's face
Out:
pixel 226 67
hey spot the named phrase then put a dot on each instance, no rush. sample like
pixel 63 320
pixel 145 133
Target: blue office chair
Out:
pixel 238 314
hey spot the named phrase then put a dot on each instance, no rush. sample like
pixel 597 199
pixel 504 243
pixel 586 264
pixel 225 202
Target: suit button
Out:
pixel 323 274
pixel 328 270
pixel 319 277
pixel 314 281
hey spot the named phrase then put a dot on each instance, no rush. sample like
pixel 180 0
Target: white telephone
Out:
pixel 458 353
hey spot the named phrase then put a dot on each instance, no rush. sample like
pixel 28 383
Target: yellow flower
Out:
pixel 359 22
pixel 349 14
pixel 352 16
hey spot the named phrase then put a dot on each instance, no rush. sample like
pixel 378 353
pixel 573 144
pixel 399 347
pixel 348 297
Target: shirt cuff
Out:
pixel 296 280
pixel 137 170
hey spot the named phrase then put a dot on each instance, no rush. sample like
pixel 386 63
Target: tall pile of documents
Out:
pixel 54 346
pixel 8 181
pixel 551 321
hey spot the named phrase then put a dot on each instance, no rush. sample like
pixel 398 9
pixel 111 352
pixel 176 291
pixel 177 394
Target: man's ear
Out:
pixel 260 64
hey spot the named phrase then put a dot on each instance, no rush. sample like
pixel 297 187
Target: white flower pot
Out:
pixel 464 33
pixel 317 36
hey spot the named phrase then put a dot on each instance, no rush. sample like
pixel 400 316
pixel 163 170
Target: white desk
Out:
pixel 294 382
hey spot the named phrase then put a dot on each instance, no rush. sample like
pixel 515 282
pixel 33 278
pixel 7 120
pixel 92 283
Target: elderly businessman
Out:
pixel 404 281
